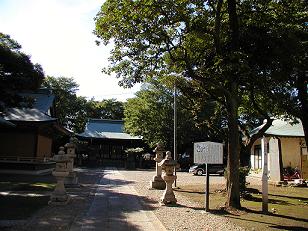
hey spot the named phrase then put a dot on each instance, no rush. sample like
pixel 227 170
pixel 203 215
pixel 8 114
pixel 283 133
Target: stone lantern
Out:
pixel 157 182
pixel 59 195
pixel 168 165
pixel 71 179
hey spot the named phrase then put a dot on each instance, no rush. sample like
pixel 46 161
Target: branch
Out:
pixel 260 133
pixel 256 106
pixel 234 26
pixel 217 26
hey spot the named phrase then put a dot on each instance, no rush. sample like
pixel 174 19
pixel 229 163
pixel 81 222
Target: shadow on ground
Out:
pixel 41 216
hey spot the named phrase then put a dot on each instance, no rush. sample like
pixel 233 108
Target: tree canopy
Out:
pixel 107 109
pixel 69 108
pixel 233 52
pixel 17 72
pixel 73 111
pixel 150 115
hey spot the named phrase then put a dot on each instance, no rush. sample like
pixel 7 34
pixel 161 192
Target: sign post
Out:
pixel 208 153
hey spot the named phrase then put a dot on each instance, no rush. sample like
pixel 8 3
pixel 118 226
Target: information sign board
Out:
pixel 208 153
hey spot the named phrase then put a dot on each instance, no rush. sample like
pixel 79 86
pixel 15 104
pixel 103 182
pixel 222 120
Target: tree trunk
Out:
pixel 233 154
pixel 303 98
pixel 232 107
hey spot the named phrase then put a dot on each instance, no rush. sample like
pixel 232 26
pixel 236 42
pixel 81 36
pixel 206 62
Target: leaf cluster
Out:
pixel 17 72
pixel 73 111
pixel 150 115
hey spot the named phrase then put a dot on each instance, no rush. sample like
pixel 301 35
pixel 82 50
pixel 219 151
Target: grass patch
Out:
pixel 19 200
pixel 15 207
pixel 288 206
pixel 21 186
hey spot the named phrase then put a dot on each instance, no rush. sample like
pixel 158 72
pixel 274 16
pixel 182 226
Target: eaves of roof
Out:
pixel 5 123
pixel 282 128
pixel 108 135
pixel 27 115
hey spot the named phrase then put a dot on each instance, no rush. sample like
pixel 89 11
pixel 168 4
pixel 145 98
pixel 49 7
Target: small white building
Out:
pixel 286 146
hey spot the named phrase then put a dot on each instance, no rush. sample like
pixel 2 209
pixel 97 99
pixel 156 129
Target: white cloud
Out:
pixel 58 35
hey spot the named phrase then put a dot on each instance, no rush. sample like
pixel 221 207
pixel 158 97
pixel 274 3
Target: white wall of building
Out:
pixel 291 155
pixel 291 151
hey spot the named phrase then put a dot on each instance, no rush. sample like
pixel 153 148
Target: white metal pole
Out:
pixel 207 189
pixel 175 129
pixel 264 175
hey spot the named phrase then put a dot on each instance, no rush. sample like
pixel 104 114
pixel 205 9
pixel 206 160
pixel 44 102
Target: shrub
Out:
pixel 243 172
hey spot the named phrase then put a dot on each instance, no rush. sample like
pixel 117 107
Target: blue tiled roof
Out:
pixel 100 125
pixel 27 114
pixel 106 129
pixel 43 100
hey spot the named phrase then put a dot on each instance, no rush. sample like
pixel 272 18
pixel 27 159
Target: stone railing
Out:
pixel 25 159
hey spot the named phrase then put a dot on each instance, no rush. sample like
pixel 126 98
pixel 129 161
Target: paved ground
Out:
pixel 116 206
pixel 113 199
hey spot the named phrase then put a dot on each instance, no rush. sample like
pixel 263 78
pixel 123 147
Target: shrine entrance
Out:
pixel 105 152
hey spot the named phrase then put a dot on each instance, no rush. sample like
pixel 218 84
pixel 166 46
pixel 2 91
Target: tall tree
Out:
pixel 17 72
pixel 150 115
pixel 157 38
pixel 203 42
pixel 71 110
pixel 275 40
pixel 106 109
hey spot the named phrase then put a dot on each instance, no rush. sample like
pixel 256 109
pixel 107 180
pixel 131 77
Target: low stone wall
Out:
pixel 32 168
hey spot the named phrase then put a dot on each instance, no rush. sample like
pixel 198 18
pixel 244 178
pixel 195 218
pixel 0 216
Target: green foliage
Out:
pixel 70 109
pixel 158 39
pixel 274 35
pixel 243 172
pixel 106 109
pixel 150 115
pixel 17 72
pixel 73 111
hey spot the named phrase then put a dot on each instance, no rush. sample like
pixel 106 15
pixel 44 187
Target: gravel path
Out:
pixel 186 215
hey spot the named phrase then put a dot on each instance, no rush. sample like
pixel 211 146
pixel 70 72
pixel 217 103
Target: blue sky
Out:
pixel 58 35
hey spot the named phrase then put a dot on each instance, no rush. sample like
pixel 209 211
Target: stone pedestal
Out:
pixel 168 196
pixel 157 182
pixel 59 195
pixel 168 165
pixel 71 179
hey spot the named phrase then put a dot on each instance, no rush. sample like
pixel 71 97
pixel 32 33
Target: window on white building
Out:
pixel 257 157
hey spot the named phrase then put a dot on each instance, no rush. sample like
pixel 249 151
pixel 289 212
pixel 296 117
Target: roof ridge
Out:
pixel 105 120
